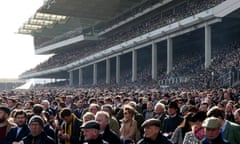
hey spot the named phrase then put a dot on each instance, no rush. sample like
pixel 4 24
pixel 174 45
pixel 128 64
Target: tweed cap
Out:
pixel 92 124
pixel 152 122
pixel 211 122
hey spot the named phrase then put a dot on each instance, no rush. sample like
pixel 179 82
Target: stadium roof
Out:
pixel 60 16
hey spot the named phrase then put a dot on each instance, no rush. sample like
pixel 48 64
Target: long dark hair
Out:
pixel 185 125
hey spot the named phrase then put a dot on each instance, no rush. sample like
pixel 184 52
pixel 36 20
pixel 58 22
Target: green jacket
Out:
pixel 232 132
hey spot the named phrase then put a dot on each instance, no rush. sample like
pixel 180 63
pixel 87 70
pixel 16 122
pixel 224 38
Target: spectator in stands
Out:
pixel 69 102
pixel 174 119
pixel 128 128
pixel 237 116
pixel 182 129
pixel 152 133
pixel 37 134
pixel 160 114
pixel 231 131
pixel 108 135
pixel 212 130
pixel 70 129
pixel 11 102
pixel 197 132
pixel 91 133
pixel 148 113
pixel 5 125
pixel 78 112
pixel 17 133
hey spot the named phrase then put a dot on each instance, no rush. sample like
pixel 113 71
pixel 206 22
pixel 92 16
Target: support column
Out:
pixel 80 77
pixel 94 74
pixel 169 55
pixel 208 46
pixel 154 61
pixel 117 69
pixel 107 71
pixel 71 78
pixel 134 65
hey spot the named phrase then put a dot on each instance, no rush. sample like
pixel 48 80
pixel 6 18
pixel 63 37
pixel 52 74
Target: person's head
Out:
pixel 90 130
pixel 172 108
pixel 198 118
pixel 216 112
pixel 37 109
pixel 212 128
pixel 45 104
pixel 237 116
pixel 159 108
pixel 36 124
pixel 66 115
pixel 150 106
pixel 11 102
pixel 80 103
pixel 128 112
pixel 229 108
pixel 69 99
pixel 107 108
pixel 28 105
pixel 203 107
pixel 103 119
pixel 20 117
pixel 184 110
pixel 88 116
pixel 4 113
pixel 151 128
pixel 93 108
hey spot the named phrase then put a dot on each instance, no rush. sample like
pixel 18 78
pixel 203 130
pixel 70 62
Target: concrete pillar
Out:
pixel 71 78
pixel 169 55
pixel 117 69
pixel 134 65
pixel 107 71
pixel 94 74
pixel 154 61
pixel 80 77
pixel 208 46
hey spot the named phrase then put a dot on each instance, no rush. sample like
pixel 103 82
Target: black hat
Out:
pixel 5 109
pixel 37 119
pixel 152 122
pixel 92 124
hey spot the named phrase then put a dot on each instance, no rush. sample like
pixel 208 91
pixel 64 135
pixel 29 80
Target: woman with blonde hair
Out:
pixel 128 128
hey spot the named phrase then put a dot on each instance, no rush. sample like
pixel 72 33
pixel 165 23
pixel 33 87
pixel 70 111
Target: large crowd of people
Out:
pixel 143 112
pixel 119 115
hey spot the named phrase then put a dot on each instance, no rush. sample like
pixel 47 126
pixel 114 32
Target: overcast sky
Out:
pixel 16 50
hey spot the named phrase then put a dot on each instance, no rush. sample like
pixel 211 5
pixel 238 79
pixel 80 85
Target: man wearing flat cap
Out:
pixel 5 125
pixel 91 133
pixel 152 134
pixel 212 131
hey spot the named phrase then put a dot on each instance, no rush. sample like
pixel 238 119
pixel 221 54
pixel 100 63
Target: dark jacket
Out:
pixel 40 139
pixel 218 140
pixel 99 140
pixel 12 134
pixel 74 138
pixel 110 136
pixel 160 140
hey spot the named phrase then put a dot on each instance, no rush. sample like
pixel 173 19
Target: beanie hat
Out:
pixel 37 119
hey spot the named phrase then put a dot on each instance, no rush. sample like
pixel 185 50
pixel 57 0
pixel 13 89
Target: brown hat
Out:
pixel 152 122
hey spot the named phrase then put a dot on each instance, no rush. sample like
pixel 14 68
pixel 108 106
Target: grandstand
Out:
pixel 9 84
pixel 166 42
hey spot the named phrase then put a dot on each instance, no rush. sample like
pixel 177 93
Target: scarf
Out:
pixel 68 128
pixel 198 132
